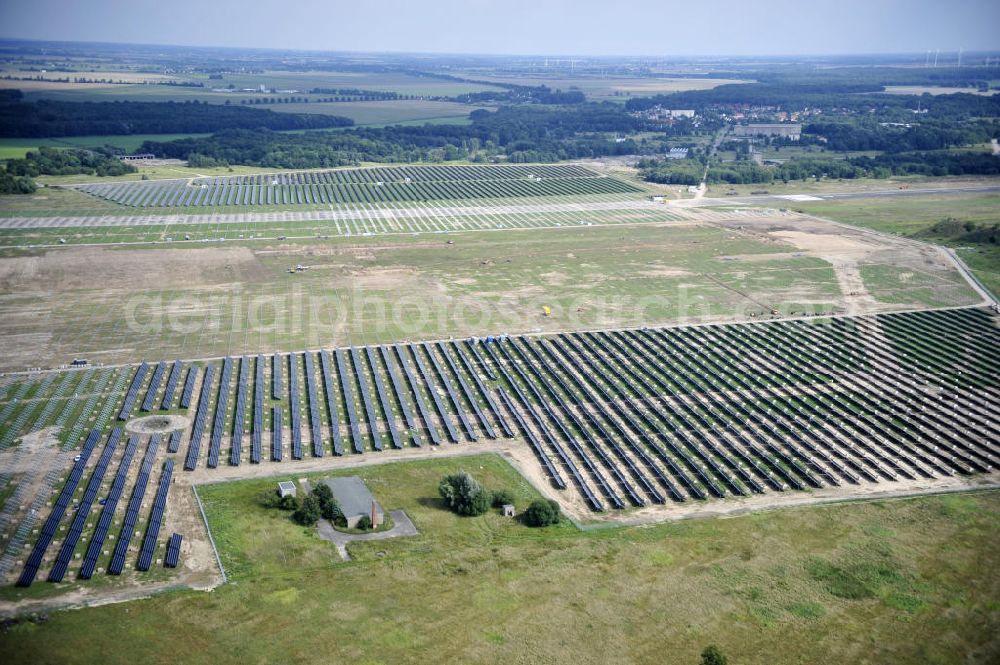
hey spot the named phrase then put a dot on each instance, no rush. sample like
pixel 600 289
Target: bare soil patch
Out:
pixel 84 268
pixel 157 424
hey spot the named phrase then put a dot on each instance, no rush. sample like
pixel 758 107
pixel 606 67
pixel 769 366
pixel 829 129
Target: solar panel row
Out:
pixel 155 518
pixel 331 403
pixel 188 392
pixel 294 408
pixel 194 445
pixel 315 423
pixel 154 387
pixel 239 415
pixel 172 379
pixel 257 434
pixel 275 433
pixel 173 551
pixel 219 421
pixel 133 391
pixel 276 376
pixel 174 442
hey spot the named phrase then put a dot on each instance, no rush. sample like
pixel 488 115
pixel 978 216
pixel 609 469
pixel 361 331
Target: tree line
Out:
pixel 46 118
pixel 939 163
pixel 520 133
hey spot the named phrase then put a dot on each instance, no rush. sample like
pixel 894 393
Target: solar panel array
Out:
pixel 439 407
pixel 352 417
pixel 155 518
pixel 400 392
pixel 366 399
pixel 34 561
pixel 83 508
pixel 390 418
pixel 108 512
pixel 624 418
pixel 132 511
pixel 393 184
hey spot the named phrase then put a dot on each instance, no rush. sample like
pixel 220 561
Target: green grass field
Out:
pixel 905 581
pixel 827 185
pixel 235 299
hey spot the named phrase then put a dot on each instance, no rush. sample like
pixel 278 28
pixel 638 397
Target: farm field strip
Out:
pixel 615 419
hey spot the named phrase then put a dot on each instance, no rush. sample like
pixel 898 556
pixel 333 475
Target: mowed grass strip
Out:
pixel 906 581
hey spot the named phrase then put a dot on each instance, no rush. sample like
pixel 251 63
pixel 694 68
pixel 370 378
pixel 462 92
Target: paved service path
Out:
pixel 402 526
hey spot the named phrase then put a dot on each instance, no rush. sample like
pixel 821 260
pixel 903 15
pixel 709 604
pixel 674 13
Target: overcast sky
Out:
pixel 571 27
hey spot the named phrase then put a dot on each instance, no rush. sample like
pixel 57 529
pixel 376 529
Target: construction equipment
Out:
pixel 546 310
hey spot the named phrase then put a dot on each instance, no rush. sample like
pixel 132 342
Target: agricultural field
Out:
pixel 301 82
pixel 609 88
pixel 389 112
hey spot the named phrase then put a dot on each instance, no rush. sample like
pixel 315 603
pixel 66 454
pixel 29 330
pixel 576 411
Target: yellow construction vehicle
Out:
pixel 546 310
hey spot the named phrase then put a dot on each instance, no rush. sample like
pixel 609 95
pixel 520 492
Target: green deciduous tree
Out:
pixel 542 512
pixel 464 494
pixel 308 513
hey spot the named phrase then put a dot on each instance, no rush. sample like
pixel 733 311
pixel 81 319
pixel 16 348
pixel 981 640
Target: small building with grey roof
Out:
pixel 355 499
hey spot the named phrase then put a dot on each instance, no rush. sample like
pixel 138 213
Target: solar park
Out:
pixel 142 474
pixel 612 420
pixel 369 185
